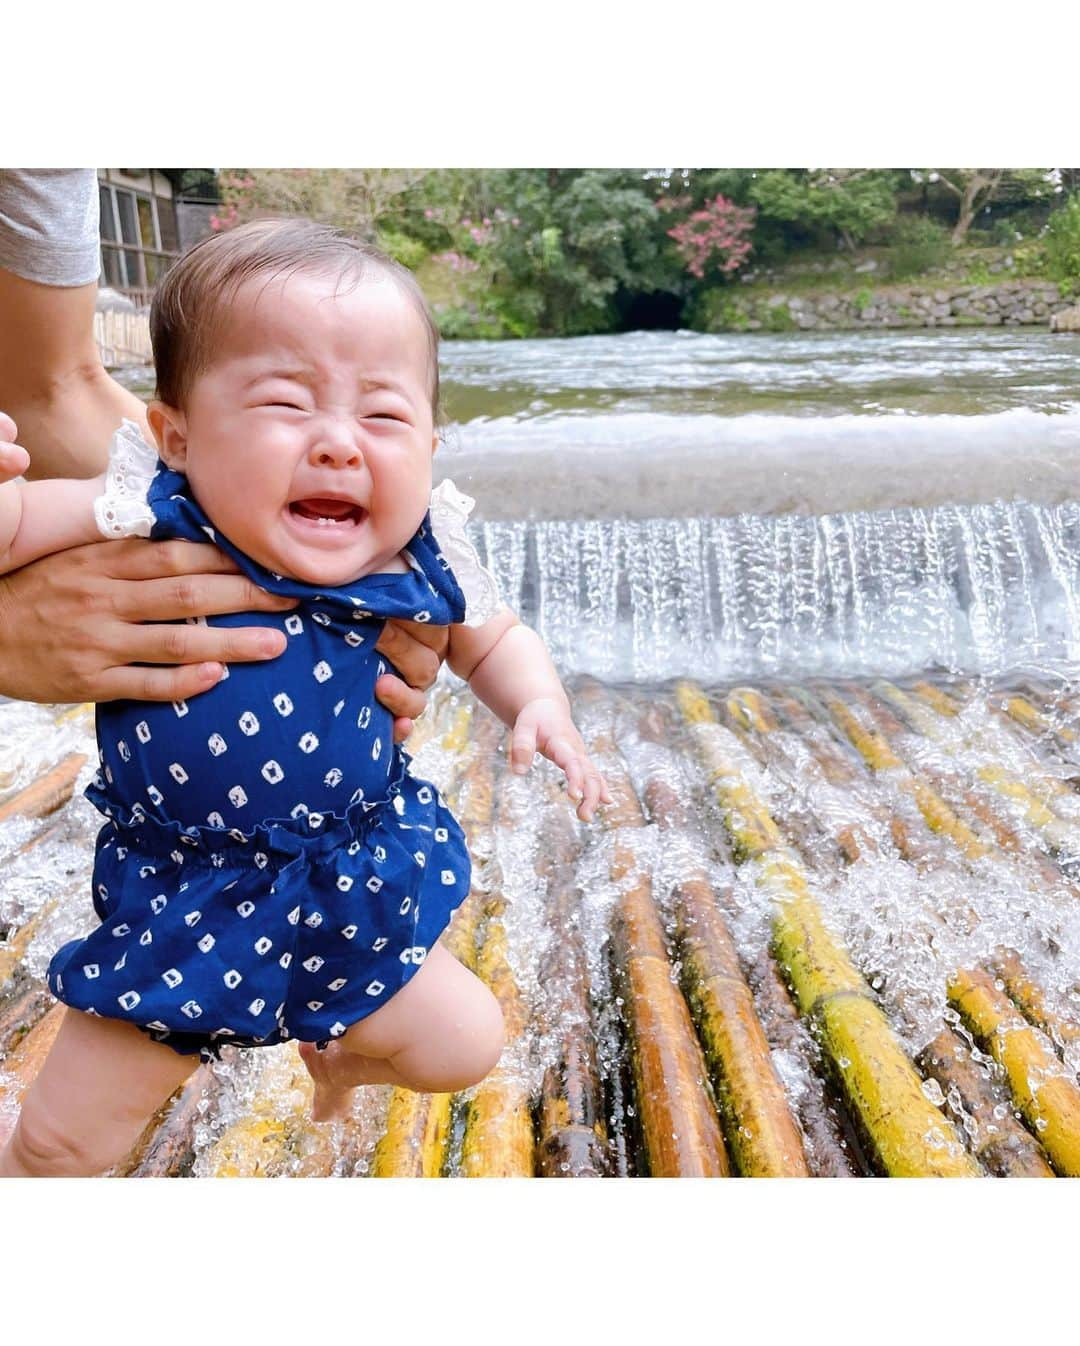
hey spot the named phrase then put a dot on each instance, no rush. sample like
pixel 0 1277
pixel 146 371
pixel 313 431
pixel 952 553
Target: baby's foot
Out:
pixel 332 1097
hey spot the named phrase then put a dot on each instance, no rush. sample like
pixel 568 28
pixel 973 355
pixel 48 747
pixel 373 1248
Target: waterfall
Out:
pixel 976 588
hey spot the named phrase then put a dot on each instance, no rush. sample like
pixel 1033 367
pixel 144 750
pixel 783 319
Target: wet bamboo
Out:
pixel 572 1139
pixel 831 1144
pixel 1030 1000
pixel 995 1137
pixel 167 1145
pixel 879 755
pixel 417 1130
pixel 499 1140
pixel 50 791
pixel 678 1119
pixel 762 1137
pixel 28 1056
pixel 1032 798
pixel 28 1002
pixel 1048 1100
pixel 907 1134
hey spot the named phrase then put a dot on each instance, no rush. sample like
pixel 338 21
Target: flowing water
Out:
pixel 879 533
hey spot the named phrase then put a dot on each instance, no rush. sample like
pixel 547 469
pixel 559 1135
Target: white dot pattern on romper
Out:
pixel 245 910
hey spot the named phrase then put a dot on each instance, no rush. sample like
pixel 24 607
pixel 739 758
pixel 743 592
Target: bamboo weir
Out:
pixel 827 928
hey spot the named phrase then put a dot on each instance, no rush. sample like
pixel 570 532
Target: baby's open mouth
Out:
pixel 323 511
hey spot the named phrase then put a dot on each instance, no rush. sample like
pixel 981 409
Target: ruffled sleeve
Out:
pixel 122 511
pixel 450 510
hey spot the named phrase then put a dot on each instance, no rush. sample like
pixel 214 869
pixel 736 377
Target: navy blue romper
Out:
pixel 269 868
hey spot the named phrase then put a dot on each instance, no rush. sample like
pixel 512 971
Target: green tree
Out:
pixel 976 188
pixel 848 202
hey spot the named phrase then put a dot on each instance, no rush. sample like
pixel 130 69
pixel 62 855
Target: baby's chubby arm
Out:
pixel 508 667
pixel 38 518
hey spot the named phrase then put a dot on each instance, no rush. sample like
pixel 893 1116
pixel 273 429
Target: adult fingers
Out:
pixel 195 643
pixel 8 429
pixel 401 700
pixel 415 649
pixel 157 684
pixel 198 595
pixel 137 558
pixel 403 727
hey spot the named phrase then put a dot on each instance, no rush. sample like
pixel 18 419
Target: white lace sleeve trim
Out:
pixel 122 510
pixel 450 510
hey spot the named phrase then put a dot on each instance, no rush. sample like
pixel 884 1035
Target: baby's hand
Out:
pixel 545 725
pixel 14 460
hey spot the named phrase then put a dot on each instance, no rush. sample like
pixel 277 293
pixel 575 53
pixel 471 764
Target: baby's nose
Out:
pixel 335 446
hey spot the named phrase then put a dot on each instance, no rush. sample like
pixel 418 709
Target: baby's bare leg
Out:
pixel 440 1033
pixel 100 1084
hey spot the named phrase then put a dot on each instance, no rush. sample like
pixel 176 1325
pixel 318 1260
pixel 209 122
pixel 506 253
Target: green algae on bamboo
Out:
pixel 909 1136
pixel 1047 1097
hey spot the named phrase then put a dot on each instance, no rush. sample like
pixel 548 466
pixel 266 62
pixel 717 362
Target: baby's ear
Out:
pixel 169 427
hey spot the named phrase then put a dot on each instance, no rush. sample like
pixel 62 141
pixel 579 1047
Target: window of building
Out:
pixel 132 256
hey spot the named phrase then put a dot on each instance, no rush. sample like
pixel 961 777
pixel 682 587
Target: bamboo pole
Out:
pixel 996 1138
pixel 762 1137
pixel 166 1147
pixel 50 791
pixel 1030 1000
pixel 678 1119
pixel 417 1131
pixel 908 1136
pixel 572 1139
pixel 1032 798
pixel 21 1010
pixel 1048 1100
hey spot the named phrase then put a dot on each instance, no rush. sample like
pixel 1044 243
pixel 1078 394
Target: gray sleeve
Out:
pixel 49 224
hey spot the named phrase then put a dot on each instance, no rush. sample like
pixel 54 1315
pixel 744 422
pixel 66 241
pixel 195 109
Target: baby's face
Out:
pixel 308 439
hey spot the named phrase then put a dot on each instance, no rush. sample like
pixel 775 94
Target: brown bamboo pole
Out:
pixel 831 1146
pixel 47 793
pixel 21 1011
pixel 761 1134
pixel 572 1139
pixel 28 1056
pixel 908 1136
pixel 678 1119
pixel 166 1147
pixel 1047 1098
pixel 996 1138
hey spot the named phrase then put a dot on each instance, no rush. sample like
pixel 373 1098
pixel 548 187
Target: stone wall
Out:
pixel 1008 303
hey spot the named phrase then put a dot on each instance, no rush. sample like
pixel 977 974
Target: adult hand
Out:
pixel 73 625
pixel 416 650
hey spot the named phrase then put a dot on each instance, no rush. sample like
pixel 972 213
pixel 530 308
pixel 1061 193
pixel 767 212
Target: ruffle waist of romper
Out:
pixel 306 834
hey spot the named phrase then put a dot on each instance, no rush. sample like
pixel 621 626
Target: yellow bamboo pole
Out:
pixel 1032 798
pixel 908 1135
pixel 678 1118
pixel 1047 1098
pixel 761 1133
pixel 1030 999
pixel 20 1011
pixel 417 1132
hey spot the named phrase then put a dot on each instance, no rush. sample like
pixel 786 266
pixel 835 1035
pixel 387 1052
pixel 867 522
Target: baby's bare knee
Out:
pixel 467 1052
pixel 39 1149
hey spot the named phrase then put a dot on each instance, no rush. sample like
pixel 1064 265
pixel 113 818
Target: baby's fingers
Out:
pixel 522 746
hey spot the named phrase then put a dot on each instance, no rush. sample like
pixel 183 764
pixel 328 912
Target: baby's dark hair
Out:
pixel 193 300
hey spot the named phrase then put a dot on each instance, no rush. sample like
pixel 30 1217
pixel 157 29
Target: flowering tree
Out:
pixel 717 235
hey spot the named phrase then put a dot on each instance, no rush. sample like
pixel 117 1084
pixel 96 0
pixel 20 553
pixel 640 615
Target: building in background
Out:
pixel 149 216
